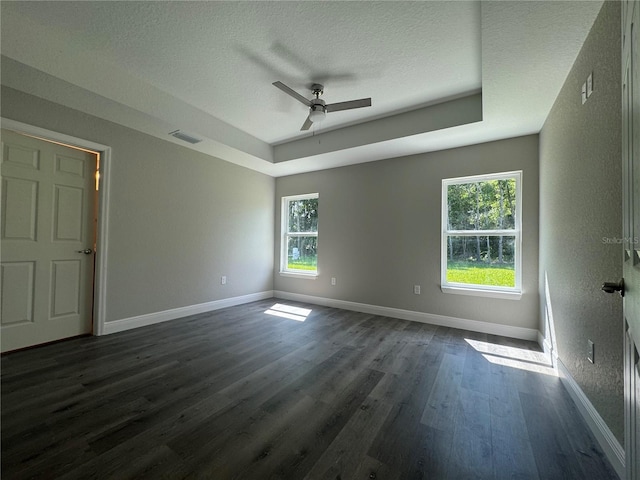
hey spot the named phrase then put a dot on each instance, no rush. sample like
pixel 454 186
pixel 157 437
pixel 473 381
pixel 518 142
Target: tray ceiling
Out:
pixel 440 74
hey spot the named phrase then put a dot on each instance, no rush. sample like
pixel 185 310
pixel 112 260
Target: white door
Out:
pixel 47 233
pixel 631 229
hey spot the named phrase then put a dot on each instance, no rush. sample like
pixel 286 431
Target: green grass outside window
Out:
pixel 481 274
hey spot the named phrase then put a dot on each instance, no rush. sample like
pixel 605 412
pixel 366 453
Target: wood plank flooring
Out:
pixel 243 394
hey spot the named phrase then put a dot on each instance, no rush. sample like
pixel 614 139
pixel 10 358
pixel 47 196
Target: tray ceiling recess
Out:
pixel 439 74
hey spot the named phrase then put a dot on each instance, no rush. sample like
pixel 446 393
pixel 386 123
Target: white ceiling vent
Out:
pixel 185 137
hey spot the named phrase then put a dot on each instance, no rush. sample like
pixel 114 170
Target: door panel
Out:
pixel 20 209
pixel 70 166
pixel 48 197
pixel 632 406
pixel 66 278
pixel 635 459
pixel 22 155
pixel 67 214
pixel 17 292
pixel 631 229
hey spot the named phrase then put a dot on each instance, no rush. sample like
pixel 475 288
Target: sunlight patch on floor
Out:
pixel 514 357
pixel 288 311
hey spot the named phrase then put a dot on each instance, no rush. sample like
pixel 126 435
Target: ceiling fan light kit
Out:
pixel 317 113
pixel 318 109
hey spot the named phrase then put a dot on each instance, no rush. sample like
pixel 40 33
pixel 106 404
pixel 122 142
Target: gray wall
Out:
pixel 580 204
pixel 379 231
pixel 179 219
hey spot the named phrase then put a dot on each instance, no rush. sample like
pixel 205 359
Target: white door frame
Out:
pixel 100 271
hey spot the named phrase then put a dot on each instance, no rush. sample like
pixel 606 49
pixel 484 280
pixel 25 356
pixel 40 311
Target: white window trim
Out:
pixel 513 293
pixel 284 270
pixel 478 291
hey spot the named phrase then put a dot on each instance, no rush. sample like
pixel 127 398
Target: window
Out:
pixel 300 235
pixel 481 235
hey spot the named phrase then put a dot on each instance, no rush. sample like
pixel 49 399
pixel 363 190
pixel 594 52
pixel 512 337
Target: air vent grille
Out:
pixel 185 137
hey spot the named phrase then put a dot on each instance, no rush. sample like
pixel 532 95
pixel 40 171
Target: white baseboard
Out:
pixel 166 315
pixel 441 320
pixel 607 441
pixel 547 348
pixel 543 342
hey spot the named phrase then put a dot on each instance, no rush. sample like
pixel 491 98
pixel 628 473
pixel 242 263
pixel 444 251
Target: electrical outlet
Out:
pixel 416 289
pixel 590 351
pixel 333 280
pixel 223 280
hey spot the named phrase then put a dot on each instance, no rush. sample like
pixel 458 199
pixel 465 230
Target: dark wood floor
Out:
pixel 241 394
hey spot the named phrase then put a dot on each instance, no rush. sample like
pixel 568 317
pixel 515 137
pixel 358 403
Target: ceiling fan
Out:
pixel 317 107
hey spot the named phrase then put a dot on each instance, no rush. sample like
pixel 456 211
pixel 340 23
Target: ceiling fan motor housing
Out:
pixel 318 104
pixel 317 110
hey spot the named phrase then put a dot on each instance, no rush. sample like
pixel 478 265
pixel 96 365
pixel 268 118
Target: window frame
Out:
pixel 285 235
pixel 515 292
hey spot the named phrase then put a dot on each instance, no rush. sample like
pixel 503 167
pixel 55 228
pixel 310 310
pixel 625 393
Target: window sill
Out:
pixel 480 292
pixel 307 276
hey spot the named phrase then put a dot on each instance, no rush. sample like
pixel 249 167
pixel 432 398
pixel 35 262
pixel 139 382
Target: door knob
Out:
pixel 611 287
pixel 86 251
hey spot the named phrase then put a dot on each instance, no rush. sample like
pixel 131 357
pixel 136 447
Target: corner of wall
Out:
pixel 580 205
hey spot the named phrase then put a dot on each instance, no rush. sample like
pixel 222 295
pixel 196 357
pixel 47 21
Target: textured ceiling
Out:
pixel 207 68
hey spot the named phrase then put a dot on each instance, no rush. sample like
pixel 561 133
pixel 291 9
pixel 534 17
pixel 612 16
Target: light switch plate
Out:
pixel 589 84
pixel 590 351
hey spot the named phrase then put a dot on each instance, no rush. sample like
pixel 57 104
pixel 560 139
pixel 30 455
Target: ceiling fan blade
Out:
pixel 335 107
pixel 292 92
pixel 307 124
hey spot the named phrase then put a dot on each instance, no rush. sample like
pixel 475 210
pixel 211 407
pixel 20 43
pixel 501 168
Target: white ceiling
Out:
pixel 207 68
